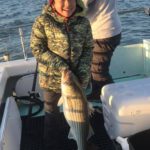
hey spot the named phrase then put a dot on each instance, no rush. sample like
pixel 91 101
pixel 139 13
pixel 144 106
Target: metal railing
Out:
pixel 14 42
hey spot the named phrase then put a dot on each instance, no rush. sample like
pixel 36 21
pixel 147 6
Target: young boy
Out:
pixel 61 39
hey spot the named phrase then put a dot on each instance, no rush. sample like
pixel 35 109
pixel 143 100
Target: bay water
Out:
pixel 22 13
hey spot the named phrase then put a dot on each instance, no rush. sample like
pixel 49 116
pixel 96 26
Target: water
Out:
pixel 136 25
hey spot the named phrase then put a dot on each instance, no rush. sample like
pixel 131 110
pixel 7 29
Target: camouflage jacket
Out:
pixel 57 44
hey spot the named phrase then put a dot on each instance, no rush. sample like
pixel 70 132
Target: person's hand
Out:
pixel 82 83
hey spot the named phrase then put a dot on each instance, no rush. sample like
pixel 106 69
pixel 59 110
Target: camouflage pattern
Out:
pixel 57 44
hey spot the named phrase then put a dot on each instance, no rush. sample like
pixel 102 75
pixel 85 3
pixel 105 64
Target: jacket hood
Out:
pixel 80 10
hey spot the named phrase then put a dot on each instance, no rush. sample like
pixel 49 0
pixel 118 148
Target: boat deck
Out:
pixel 32 133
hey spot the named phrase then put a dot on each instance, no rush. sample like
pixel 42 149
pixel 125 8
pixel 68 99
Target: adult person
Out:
pixel 61 39
pixel 106 29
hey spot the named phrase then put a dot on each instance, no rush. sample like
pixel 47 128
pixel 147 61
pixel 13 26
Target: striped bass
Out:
pixel 75 107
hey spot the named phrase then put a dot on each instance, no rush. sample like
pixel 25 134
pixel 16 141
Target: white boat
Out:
pixel 18 126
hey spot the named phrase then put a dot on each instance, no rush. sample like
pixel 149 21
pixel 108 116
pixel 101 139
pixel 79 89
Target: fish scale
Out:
pixel 75 109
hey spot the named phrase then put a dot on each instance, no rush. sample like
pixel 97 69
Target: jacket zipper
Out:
pixel 67 31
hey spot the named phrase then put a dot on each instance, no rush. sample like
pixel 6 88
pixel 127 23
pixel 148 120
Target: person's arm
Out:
pixel 38 44
pixel 84 65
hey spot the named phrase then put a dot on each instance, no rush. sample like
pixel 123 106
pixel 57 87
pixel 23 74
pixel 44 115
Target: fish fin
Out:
pixel 70 135
pixel 91 132
pixel 60 102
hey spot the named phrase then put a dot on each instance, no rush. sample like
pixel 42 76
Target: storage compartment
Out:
pixel 10 129
pixel 126 107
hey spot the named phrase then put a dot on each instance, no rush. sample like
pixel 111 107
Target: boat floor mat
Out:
pixel 32 133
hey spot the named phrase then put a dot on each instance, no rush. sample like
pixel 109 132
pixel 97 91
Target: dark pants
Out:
pixel 102 54
pixel 50 101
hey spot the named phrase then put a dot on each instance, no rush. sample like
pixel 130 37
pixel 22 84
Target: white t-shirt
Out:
pixel 103 17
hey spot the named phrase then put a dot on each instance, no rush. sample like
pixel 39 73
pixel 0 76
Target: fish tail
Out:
pixel 79 132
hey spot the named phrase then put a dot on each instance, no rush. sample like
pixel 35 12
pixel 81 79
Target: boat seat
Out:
pixel 11 125
pixel 3 81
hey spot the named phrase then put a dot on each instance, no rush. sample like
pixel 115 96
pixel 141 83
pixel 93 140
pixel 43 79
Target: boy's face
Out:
pixel 65 7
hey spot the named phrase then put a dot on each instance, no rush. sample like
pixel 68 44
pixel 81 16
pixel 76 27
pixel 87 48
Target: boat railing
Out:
pixel 15 40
